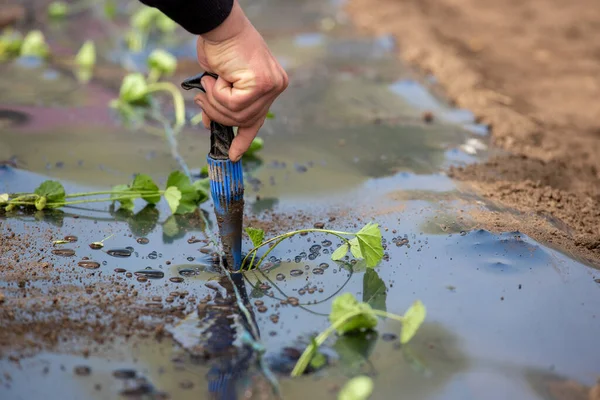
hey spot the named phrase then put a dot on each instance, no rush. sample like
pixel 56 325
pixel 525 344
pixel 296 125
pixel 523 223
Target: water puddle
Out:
pixel 355 138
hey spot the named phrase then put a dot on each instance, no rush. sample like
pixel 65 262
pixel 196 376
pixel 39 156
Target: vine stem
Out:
pixel 153 75
pixel 140 192
pixel 178 102
pixel 283 236
pixel 386 314
pixel 304 359
pixel 25 203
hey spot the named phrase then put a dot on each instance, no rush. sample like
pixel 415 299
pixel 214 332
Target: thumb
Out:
pixel 243 140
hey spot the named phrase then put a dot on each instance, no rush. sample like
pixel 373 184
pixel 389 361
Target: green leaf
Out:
pixel 9 207
pixel 256 146
pixel 317 359
pixel 126 204
pixel 374 290
pixel 10 44
pixel 355 248
pixel 143 183
pixel 134 89
pixel 369 240
pixel 413 318
pixel 347 304
pixel 4 198
pixel 40 203
pixel 162 61
pixel 54 193
pixel 34 45
pixel 190 197
pixel 270 115
pixel 202 187
pixel 204 171
pixel 257 236
pixel 57 9
pixel 359 388
pixel 173 196
pixel 340 252
pixel 86 57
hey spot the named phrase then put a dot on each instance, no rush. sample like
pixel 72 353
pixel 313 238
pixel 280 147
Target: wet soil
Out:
pixel 531 71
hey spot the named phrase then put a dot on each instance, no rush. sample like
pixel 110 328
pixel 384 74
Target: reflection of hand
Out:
pixel 250 78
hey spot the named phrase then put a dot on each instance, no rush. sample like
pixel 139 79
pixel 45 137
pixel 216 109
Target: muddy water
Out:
pixel 507 317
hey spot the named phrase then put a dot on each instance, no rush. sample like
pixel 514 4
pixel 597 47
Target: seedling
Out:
pixel 181 195
pixel 10 44
pixel 349 315
pixel 58 9
pixel 365 244
pixel 85 61
pixel 135 92
pixel 359 388
pixel 34 45
pixel 160 63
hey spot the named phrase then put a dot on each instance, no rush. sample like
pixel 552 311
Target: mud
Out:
pixel 530 71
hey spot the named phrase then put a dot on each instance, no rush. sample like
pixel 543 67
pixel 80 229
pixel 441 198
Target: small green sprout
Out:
pixel 160 63
pixel 86 57
pixel 10 44
pixel 358 388
pixel 57 9
pixel 34 45
pixel 349 315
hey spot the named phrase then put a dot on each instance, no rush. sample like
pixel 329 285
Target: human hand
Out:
pixel 250 79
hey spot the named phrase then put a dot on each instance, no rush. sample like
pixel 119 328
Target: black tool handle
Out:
pixel 221 136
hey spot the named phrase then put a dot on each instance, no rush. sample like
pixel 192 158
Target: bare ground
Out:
pixel 531 70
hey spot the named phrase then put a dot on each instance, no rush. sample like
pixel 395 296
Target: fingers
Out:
pixel 242 141
pixel 217 112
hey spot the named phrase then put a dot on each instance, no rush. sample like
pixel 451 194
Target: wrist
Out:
pixel 232 27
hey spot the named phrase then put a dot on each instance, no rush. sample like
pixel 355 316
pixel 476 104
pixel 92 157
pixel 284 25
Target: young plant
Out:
pixel 34 45
pixel 85 61
pixel 142 22
pixel 135 92
pixel 365 244
pixel 10 44
pixel 358 388
pixel 160 63
pixel 349 315
pixel 58 9
pixel 86 57
pixel 181 195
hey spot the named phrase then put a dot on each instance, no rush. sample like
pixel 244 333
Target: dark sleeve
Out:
pixel 195 16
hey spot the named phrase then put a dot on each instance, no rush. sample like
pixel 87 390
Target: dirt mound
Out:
pixel 531 70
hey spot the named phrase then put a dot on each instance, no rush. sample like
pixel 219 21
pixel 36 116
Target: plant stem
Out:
pixel 153 76
pixel 386 314
pixel 178 102
pixel 279 238
pixel 304 359
pixel 126 192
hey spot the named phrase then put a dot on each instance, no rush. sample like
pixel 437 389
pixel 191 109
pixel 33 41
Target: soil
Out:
pixel 42 304
pixel 531 71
